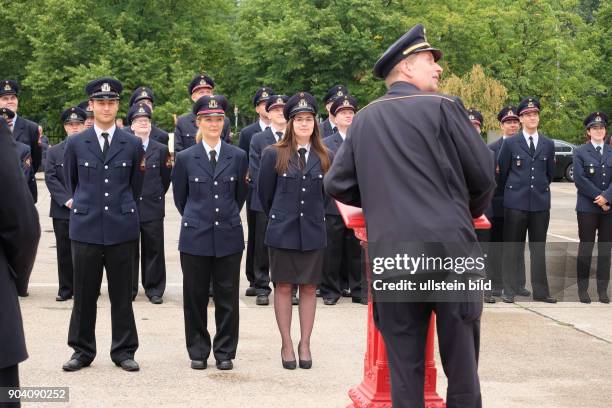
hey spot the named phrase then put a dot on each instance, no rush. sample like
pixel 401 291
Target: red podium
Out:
pixel 375 389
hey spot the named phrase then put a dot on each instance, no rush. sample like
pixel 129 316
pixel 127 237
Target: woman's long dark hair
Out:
pixel 287 147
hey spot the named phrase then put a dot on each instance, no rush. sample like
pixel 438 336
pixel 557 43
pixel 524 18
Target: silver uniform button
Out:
pixel 86 164
pixel 231 179
pixel 320 176
pixel 284 174
pixel 105 167
pixel 216 222
pixel 303 177
pixel 303 189
pixel 302 202
pixel 216 209
pixel 532 186
pixel 106 180
pixel 132 210
pixel 216 196
pixel 154 166
pixel 140 198
pixel 532 168
pixel 123 164
pixel 301 214
pixel 185 224
pixel 216 183
pixel 273 216
pixel 105 208
pixel 106 195
pixel 75 210
pixel 197 179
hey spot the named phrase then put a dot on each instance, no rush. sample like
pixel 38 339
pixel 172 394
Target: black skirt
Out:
pixel 297 267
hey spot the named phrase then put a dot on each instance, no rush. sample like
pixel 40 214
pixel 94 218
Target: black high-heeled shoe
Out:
pixel 288 365
pixel 305 364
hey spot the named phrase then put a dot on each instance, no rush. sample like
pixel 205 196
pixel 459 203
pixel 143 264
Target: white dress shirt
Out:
pixel 111 133
pixel 535 138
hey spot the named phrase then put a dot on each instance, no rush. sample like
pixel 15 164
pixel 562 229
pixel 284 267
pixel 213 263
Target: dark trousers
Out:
pixel 9 377
pixel 496 257
pixel 153 267
pixel 342 252
pixel 64 257
pixel 588 224
pixel 404 328
pixel 251 238
pixel 516 225
pixel 261 262
pixel 89 260
pixel 198 272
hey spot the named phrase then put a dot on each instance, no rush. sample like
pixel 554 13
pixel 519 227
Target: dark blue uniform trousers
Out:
pixel 89 260
pixel 404 326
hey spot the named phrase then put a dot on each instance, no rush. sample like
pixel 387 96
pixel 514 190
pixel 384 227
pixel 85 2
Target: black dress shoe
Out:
pixel 584 297
pixel 507 298
pixel 262 300
pixel 604 298
pixel 545 299
pixel 489 299
pixel 305 364
pixel 59 298
pixel 295 300
pixel 133 297
pixel 251 291
pixel 346 293
pixel 330 301
pixel 225 365
pixel 128 365
pixel 156 300
pixel 288 365
pixel 24 294
pixel 318 292
pixel 74 365
pixel 523 292
pixel 199 364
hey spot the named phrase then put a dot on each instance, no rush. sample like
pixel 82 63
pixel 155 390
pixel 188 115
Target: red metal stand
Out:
pixel 375 389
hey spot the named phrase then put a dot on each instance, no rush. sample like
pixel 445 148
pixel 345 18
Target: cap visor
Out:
pixel 527 110
pixel 213 112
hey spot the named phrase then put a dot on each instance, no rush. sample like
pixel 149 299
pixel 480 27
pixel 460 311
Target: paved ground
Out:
pixel 531 354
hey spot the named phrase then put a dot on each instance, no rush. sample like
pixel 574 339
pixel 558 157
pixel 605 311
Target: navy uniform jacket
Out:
pixel 326 129
pixel 244 142
pixel 496 208
pixel 19 236
pixel 526 179
pixel 333 143
pixel 259 142
pixel 26 131
pixel 56 182
pixel 186 130
pixel 158 164
pixel 414 163
pixel 157 134
pixel 592 176
pixel 104 210
pixel 210 202
pixel 294 202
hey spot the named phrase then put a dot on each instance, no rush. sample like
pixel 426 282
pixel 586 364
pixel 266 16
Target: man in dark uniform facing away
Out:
pixel 104 168
pixel 414 163
pixel 19 236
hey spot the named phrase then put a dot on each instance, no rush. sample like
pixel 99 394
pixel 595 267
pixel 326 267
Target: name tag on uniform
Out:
pixel 519 161
pixel 591 169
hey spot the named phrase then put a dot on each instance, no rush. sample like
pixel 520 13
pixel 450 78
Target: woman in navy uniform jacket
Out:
pixel 592 175
pixel 290 187
pixel 209 190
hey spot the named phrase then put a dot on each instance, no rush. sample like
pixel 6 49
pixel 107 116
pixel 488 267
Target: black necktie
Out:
pixel 531 146
pixel 213 159
pixel 335 129
pixel 302 153
pixel 598 148
pixel 106 145
pixel 279 136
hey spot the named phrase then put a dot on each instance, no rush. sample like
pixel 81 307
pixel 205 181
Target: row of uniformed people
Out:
pixel 342 267
pixel 525 165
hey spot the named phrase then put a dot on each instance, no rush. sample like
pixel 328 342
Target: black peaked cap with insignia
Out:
pixel 343 102
pixel 140 93
pixel 414 41
pixel 104 88
pixel 596 119
pixel 210 105
pixel 73 114
pixel 300 102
